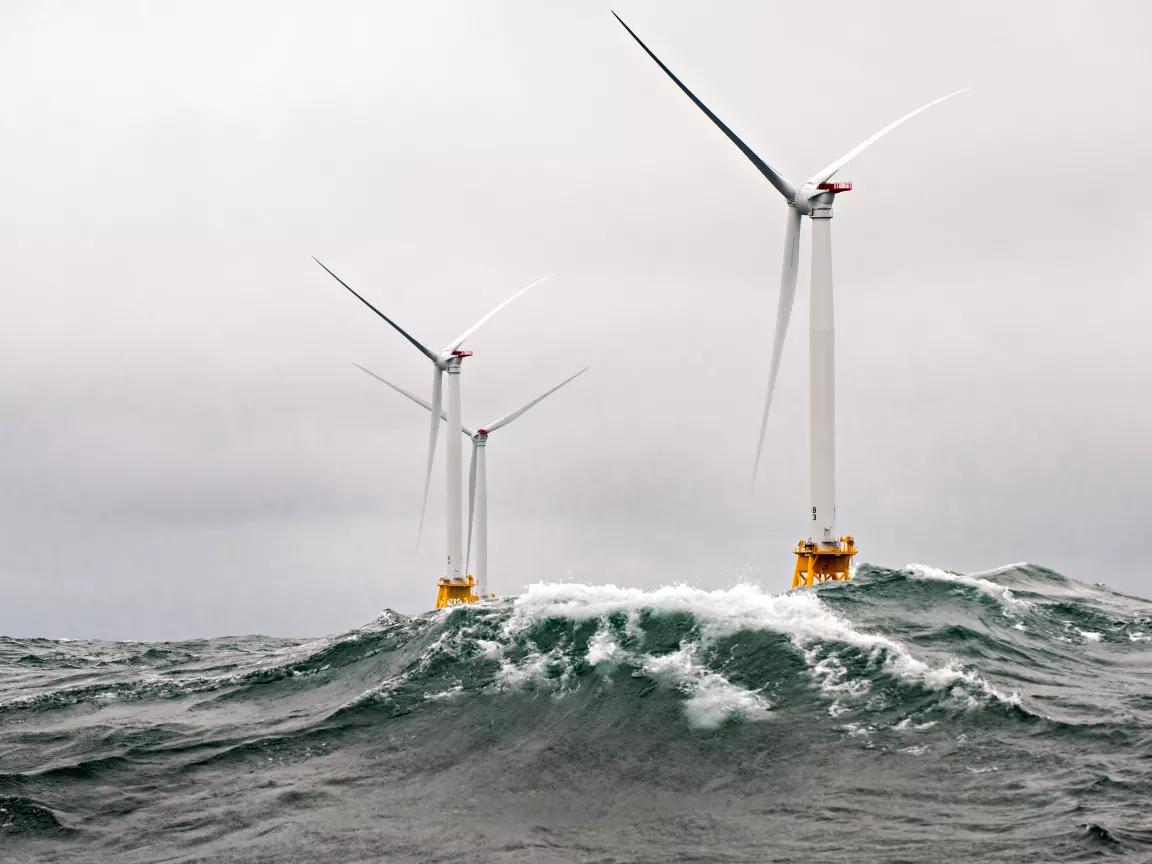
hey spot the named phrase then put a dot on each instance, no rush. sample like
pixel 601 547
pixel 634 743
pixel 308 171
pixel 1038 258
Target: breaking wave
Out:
pixel 867 689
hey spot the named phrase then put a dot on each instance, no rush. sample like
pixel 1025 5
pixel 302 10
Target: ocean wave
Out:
pixel 803 618
pixel 548 699
pixel 1011 604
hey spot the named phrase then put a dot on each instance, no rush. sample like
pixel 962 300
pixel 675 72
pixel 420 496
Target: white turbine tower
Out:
pixel 823 556
pixel 478 470
pixel 454 587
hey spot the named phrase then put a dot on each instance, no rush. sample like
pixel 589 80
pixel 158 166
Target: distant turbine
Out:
pixel 447 360
pixel 813 199
pixel 478 470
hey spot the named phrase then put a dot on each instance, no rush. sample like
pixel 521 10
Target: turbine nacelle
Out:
pixel 812 192
pixel 451 359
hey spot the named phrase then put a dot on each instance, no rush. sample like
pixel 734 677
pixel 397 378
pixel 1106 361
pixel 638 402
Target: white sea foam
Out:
pixel 536 669
pixel 444 694
pixel 1009 602
pixel 603 648
pixel 719 613
pixel 489 649
pixel 716 700
pixel 801 616
pixel 858 730
pixel 832 674
pixel 1089 635
pixel 906 724
pixel 712 698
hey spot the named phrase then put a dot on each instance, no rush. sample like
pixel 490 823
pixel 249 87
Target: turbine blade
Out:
pixel 827 172
pixel 508 418
pixel 783 314
pixel 427 352
pixel 412 396
pixel 471 507
pixel 437 414
pixel 782 185
pixel 459 340
pixel 398 389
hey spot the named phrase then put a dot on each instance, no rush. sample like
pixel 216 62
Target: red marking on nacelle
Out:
pixel 481 431
pixel 835 187
pixel 460 353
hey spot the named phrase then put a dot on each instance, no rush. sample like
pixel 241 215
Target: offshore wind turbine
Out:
pixel 455 586
pixel 822 556
pixel 478 470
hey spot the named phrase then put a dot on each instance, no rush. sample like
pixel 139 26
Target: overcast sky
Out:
pixel 187 450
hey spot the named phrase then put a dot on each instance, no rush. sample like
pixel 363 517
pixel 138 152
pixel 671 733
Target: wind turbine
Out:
pixel 822 556
pixel 453 587
pixel 478 469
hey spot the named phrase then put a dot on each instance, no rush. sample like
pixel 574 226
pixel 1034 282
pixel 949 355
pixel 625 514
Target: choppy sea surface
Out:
pixel 912 715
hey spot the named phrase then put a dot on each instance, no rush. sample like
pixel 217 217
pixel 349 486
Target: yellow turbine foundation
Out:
pixel 455 592
pixel 816 564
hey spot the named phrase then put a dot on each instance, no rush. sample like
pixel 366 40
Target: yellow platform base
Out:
pixel 455 592
pixel 818 564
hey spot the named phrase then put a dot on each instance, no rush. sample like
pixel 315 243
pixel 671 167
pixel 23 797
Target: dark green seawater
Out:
pixel 911 716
